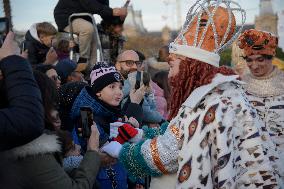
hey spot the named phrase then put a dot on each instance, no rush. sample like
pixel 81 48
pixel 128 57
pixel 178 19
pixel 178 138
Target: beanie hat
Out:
pixel 102 75
pixel 256 42
pixel 65 67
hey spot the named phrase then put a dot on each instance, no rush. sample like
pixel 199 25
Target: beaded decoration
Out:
pixel 210 27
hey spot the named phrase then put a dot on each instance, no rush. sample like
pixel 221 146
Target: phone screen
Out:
pixel 86 121
pixel 4 26
pixel 138 80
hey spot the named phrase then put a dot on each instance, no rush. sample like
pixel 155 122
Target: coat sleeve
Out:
pixel 96 7
pixel 22 120
pixel 48 174
pixel 152 157
pixel 32 53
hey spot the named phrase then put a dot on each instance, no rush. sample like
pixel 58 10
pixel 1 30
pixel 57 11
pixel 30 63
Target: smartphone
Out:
pixel 126 4
pixel 4 29
pixel 4 26
pixel 138 80
pixel 86 121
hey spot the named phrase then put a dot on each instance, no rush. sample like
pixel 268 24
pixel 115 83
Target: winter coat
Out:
pixel 21 113
pixel 215 141
pixel 161 102
pixel 267 97
pixel 36 165
pixel 111 45
pixel 65 8
pixel 103 117
pixel 36 50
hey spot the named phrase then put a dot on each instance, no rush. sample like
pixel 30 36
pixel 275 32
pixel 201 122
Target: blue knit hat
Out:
pixel 65 67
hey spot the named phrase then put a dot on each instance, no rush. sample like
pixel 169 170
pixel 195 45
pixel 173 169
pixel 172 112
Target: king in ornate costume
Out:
pixel 215 138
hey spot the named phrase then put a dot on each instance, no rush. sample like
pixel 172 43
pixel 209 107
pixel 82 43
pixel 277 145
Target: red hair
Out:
pixel 192 74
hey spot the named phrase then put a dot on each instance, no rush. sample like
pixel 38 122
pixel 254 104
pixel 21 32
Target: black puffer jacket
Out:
pixel 65 8
pixel 36 50
pixel 21 113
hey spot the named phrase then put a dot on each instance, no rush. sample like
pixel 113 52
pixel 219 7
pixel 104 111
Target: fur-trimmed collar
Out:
pixel 46 143
pixel 197 95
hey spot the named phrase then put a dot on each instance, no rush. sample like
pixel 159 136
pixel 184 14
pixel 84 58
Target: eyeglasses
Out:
pixel 130 63
pixel 55 78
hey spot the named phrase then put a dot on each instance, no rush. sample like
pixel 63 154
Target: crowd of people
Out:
pixel 175 121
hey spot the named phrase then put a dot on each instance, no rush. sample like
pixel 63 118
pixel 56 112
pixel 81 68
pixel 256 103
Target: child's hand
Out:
pixel 132 121
pixel 136 96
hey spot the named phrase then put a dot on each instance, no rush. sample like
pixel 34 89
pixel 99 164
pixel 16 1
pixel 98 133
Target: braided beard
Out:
pixel 192 74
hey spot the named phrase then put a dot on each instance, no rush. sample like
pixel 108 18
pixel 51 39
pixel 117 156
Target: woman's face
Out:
pixel 111 94
pixel 259 66
pixel 52 74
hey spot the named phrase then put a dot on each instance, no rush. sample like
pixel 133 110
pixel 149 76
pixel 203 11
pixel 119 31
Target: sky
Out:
pixel 155 13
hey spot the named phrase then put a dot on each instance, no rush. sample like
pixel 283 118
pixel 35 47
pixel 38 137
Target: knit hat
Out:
pixel 65 67
pixel 102 75
pixel 256 42
pixel 209 28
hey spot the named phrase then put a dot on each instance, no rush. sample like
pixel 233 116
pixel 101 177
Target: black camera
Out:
pixel 4 29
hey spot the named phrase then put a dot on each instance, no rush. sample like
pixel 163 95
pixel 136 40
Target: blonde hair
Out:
pixel 45 29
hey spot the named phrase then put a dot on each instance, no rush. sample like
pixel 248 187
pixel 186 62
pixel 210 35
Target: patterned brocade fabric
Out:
pixel 225 144
pixel 153 157
pixel 270 108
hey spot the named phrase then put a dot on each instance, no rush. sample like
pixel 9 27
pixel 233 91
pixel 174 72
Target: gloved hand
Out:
pixel 114 128
pixel 125 133
pixel 113 149
pixel 137 137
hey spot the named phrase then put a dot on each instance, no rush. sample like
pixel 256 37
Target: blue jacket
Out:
pixel 102 117
pixel 21 110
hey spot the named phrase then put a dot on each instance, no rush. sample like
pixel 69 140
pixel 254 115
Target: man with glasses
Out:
pixel 127 62
pixel 265 83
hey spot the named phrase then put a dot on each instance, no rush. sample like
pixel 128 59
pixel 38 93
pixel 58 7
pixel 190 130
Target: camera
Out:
pixel 4 29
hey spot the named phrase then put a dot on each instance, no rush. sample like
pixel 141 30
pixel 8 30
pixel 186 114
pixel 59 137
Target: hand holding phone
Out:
pixel 93 143
pixel 9 47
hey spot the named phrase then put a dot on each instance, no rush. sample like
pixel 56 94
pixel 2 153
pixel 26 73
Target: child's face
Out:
pixel 111 94
pixel 47 40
